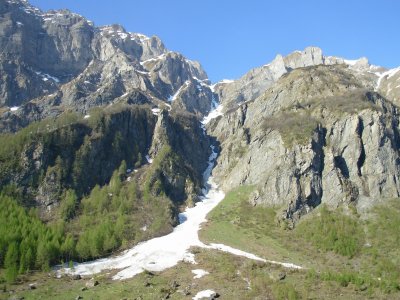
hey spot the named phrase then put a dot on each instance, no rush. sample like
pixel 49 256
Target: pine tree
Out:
pixel 11 262
pixel 68 206
pixel 122 170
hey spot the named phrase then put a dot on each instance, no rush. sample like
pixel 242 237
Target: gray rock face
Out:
pixel 254 83
pixel 316 136
pixel 57 60
pixel 311 56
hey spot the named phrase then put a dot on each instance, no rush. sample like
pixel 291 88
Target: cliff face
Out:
pixel 46 159
pixel 56 61
pixel 317 135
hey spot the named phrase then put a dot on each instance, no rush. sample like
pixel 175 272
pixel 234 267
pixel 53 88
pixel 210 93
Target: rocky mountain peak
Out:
pixel 310 56
pixel 57 60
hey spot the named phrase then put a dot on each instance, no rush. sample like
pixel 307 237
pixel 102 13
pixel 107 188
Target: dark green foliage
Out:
pixel 168 176
pixel 11 262
pixel 69 205
pixel 112 217
pixel 25 242
pixel 70 152
pixel 333 231
pixel 82 165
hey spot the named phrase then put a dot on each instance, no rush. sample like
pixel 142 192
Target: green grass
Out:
pixel 236 223
pixel 333 231
pixel 294 127
pixel 330 244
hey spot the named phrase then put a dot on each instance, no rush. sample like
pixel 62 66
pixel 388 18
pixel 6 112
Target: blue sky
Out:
pixel 230 37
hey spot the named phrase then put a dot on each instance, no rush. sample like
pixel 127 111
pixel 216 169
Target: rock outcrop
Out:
pixel 318 135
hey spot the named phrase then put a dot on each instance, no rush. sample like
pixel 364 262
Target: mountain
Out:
pixel 308 130
pixel 107 136
pixel 57 61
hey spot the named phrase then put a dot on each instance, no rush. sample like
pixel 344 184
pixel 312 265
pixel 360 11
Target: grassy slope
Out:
pixel 371 267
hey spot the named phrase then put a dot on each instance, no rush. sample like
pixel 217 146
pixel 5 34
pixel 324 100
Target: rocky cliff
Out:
pixel 320 130
pixel 57 60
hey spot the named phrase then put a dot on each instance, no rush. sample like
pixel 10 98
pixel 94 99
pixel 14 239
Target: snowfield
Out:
pixel 165 252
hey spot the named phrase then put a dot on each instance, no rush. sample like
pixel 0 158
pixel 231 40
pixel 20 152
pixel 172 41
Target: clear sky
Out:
pixel 229 37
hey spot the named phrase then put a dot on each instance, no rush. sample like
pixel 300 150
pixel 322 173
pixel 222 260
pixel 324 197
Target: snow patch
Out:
pixel 14 108
pixel 164 252
pixel 216 111
pixel 149 160
pixel 204 294
pixel 234 251
pixel 386 75
pixel 157 58
pixel 213 114
pixel 46 77
pixel 142 72
pixel 199 273
pixel 20 24
pixel 86 117
pixel 139 36
pixel 122 35
pixel 175 96
pixel 226 81
pixel 223 81
pixel 156 111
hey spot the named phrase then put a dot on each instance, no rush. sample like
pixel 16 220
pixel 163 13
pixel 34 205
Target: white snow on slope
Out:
pixel 234 251
pixel 156 111
pixel 225 81
pixel 199 273
pixel 386 75
pixel 164 252
pixel 213 114
pixel 162 56
pixel 46 77
pixel 14 108
pixel 216 111
pixel 206 294
pixel 149 160
pixel 183 86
